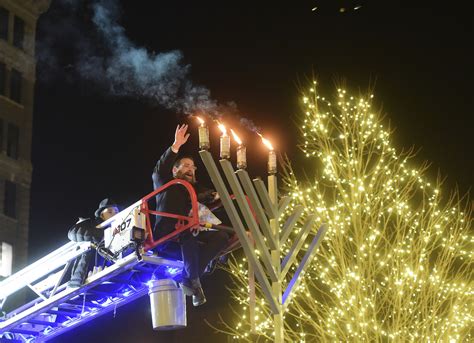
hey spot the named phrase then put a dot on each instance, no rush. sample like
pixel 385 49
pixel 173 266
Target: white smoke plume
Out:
pixel 130 70
pixel 120 67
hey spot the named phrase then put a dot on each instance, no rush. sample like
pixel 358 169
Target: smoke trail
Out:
pixel 119 66
pixel 250 125
pixel 133 71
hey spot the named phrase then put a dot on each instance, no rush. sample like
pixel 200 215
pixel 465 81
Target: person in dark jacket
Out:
pixel 85 230
pixel 197 251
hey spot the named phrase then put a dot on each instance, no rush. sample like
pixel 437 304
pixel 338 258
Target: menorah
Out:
pixel 261 209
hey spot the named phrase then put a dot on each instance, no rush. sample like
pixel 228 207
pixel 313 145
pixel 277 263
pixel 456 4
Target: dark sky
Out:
pixel 88 145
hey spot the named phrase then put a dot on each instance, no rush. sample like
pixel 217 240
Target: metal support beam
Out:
pixel 296 279
pixel 278 321
pixel 43 322
pixel 270 209
pixel 283 204
pixel 129 262
pixel 290 223
pixel 249 219
pixel 37 292
pixel 65 269
pixel 267 233
pixel 239 228
pixel 262 219
pixel 252 297
pixel 43 266
pixel 295 248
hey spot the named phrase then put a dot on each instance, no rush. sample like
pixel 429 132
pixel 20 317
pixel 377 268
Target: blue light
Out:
pixel 164 272
pixel 172 271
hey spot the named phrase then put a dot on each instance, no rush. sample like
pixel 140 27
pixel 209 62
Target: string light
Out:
pixel 396 263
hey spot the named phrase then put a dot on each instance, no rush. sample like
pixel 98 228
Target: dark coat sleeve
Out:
pixel 85 231
pixel 162 173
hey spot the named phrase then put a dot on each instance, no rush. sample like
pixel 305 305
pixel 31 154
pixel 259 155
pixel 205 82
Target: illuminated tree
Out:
pixel 396 263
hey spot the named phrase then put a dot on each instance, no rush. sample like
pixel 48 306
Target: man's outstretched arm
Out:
pixel 162 172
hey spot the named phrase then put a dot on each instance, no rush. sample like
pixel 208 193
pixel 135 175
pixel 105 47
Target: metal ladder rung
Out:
pixel 71 312
pixel 80 303
pixel 110 288
pixel 105 294
pixel 41 322
pixel 25 332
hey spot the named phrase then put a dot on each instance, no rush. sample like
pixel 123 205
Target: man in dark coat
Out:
pixel 85 230
pixel 197 251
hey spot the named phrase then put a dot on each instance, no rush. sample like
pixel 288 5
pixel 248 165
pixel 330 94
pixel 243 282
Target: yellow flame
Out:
pixel 266 142
pixel 222 128
pixel 201 121
pixel 237 139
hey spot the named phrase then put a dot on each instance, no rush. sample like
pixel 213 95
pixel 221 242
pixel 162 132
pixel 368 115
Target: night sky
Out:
pixel 89 144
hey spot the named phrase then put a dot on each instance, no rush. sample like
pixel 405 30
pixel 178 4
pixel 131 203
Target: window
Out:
pixel 3 23
pixel 10 199
pixel 15 85
pixel 18 32
pixel 3 78
pixel 13 141
pixel 6 259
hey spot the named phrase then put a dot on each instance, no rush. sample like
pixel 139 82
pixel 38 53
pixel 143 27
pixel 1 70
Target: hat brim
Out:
pixel 100 209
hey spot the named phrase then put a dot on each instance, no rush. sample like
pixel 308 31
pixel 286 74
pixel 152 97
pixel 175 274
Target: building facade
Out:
pixel 18 20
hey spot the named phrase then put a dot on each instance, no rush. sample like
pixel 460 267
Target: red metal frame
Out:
pixel 184 222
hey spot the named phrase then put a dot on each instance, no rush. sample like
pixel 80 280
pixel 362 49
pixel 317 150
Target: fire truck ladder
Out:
pixel 57 308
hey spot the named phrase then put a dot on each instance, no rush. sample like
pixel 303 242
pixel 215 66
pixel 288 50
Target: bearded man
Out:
pixel 197 251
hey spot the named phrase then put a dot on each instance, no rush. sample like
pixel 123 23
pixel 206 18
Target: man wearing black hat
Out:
pixel 85 230
pixel 196 251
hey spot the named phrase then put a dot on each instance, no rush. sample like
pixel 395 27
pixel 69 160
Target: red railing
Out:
pixel 184 222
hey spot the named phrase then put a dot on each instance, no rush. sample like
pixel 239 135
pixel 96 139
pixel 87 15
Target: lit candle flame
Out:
pixel 201 121
pixel 237 139
pixel 266 142
pixel 222 128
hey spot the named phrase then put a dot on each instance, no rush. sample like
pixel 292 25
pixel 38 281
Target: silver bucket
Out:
pixel 167 305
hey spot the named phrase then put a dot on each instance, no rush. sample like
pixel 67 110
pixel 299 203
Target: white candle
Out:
pixel 241 152
pixel 272 162
pixel 225 146
pixel 225 142
pixel 241 157
pixel 204 143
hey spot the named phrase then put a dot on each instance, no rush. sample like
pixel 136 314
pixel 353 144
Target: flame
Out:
pixel 266 142
pixel 237 139
pixel 222 128
pixel 201 121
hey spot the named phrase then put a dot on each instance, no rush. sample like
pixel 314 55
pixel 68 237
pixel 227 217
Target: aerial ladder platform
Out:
pixel 254 212
pixel 133 271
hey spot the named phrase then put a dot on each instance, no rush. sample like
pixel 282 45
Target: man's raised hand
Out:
pixel 180 137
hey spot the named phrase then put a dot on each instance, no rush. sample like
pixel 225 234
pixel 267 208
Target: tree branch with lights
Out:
pixel 396 262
